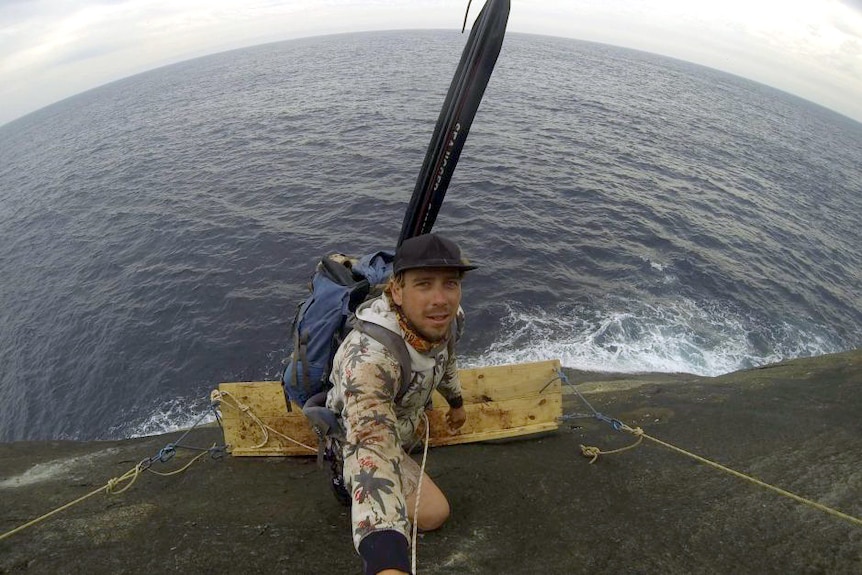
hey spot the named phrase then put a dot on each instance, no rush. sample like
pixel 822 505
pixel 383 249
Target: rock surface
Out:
pixel 530 506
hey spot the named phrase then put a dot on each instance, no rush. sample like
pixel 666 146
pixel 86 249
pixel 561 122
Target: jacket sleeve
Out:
pixel 373 454
pixel 450 385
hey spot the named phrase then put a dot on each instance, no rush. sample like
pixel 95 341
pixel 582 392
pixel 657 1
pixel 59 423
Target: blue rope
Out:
pixel 167 452
pixel 615 423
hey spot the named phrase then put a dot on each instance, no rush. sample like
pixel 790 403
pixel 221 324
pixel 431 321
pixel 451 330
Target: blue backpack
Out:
pixel 325 318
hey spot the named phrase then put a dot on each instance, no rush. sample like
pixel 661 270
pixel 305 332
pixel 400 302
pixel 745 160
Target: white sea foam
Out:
pixel 624 336
pixel 172 415
pixel 630 337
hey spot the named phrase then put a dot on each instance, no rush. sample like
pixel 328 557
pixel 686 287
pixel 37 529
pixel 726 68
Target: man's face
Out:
pixel 429 299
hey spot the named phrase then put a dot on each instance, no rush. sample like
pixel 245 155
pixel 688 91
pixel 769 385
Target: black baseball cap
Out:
pixel 429 251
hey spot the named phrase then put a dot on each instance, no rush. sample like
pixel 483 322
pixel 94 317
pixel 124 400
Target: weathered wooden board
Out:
pixel 501 402
pixel 266 401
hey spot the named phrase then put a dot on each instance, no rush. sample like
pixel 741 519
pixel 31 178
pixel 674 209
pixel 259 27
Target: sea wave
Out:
pixel 627 336
pixel 175 414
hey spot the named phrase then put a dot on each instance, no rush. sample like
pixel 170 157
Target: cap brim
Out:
pixel 441 265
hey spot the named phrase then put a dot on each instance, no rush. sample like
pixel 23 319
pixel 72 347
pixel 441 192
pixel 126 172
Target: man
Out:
pixel 421 303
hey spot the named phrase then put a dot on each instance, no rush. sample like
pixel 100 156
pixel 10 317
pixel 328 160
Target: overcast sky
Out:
pixel 52 49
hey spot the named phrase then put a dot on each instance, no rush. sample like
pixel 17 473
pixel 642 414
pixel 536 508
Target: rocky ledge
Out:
pixel 535 505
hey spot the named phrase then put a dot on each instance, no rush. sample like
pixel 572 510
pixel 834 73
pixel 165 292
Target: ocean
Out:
pixel 630 213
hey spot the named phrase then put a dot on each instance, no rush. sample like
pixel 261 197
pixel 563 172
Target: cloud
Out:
pixel 806 48
pixel 51 49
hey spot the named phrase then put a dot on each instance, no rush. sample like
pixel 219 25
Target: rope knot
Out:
pixel 592 452
pixel 217 451
pixel 215 398
pixel 112 483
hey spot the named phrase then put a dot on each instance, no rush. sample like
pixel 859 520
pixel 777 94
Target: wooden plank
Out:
pixel 497 383
pixel 499 415
pixel 495 434
pixel 265 398
pixel 244 435
pixel 501 401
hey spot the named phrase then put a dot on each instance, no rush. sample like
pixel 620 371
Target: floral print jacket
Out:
pixel 366 377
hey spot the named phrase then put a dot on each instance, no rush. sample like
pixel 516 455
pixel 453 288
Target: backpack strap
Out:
pixel 302 357
pixel 324 422
pixel 394 343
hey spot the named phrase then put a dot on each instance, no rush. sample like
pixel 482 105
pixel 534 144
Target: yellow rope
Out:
pixel 49 514
pixel 130 476
pixel 594 453
pixel 218 395
pixel 176 471
pixel 415 533
pixel 109 488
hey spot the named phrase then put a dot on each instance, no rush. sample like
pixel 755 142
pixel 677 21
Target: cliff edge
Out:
pixel 534 505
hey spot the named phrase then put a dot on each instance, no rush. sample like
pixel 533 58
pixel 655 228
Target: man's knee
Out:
pixel 434 516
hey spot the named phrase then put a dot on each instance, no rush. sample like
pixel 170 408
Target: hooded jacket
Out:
pixel 366 376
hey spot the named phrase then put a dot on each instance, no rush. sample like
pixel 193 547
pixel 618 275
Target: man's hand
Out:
pixel 455 418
